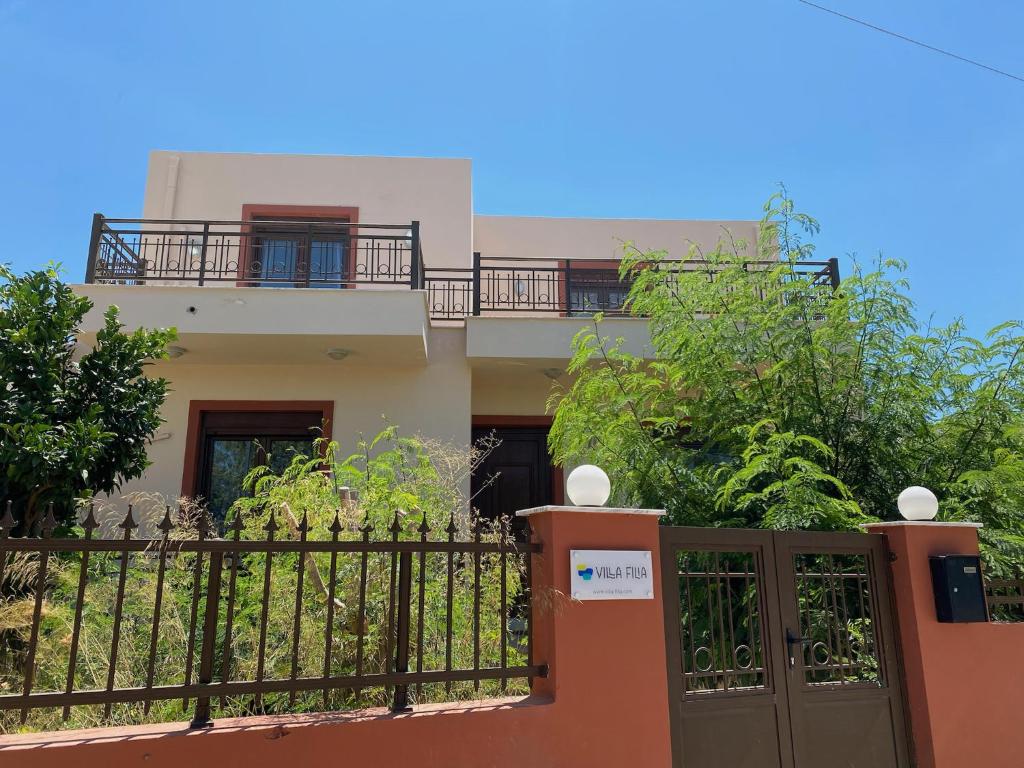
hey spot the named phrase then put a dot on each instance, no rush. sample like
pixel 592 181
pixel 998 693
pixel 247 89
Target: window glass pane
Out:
pixel 282 451
pixel 230 461
pixel 327 267
pixel 276 259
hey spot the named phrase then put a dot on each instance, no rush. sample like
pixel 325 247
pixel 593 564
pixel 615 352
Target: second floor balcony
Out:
pixel 342 255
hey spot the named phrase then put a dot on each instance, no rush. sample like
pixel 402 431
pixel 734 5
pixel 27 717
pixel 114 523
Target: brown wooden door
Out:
pixel 516 475
pixel 780 650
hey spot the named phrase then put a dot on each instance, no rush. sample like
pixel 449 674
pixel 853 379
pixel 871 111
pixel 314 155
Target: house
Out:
pixel 312 290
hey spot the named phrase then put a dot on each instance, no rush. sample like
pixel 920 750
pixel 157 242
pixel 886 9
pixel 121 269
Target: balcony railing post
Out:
pixel 202 714
pixel 401 702
pixel 308 271
pixel 415 258
pixel 94 247
pixel 476 283
pixel 833 272
pixel 568 287
pixel 202 253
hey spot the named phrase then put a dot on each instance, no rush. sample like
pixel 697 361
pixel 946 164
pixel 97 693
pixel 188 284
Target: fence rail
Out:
pixel 290 608
pixel 1005 599
pixel 325 254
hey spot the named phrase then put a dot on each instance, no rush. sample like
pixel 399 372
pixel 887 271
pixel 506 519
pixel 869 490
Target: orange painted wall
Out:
pixel 965 682
pixel 605 702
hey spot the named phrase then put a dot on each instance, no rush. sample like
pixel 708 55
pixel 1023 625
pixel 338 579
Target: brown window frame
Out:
pixel 255 213
pixel 575 271
pixel 192 473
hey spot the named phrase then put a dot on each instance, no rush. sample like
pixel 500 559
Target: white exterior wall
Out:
pixel 386 190
pixel 524 237
pixel 270 344
pixel 428 399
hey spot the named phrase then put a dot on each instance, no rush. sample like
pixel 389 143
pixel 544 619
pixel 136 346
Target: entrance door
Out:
pixel 781 650
pixel 516 475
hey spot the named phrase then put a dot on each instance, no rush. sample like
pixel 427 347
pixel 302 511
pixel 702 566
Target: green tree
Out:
pixel 772 399
pixel 70 425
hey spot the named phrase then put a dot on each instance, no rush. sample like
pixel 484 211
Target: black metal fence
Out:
pixel 1005 599
pixel 279 615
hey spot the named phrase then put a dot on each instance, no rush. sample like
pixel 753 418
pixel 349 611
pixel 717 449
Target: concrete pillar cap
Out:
pixel 918 524
pixel 591 510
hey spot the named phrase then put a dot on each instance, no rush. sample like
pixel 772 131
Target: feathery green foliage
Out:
pixel 768 399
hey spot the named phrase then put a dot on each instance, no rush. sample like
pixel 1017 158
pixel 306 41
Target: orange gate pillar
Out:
pixel 963 681
pixel 606 658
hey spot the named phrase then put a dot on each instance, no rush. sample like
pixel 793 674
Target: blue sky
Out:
pixel 642 109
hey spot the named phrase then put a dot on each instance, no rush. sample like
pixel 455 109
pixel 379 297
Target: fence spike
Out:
pixel 49 521
pixel 236 524
pixel 128 523
pixel 336 526
pixel 395 526
pixel 304 524
pixel 204 525
pixel 367 527
pixel 166 525
pixel 424 526
pixel 89 522
pixel 7 522
pixel 451 528
pixel 271 524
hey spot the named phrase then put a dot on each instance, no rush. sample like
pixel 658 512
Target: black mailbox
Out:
pixel 959 589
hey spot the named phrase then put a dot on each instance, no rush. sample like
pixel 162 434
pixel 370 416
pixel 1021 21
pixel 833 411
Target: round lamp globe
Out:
pixel 588 486
pixel 917 503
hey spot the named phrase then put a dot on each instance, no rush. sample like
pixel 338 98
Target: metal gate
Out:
pixel 781 650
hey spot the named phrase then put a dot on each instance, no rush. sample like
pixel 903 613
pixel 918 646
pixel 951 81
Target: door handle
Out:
pixel 792 640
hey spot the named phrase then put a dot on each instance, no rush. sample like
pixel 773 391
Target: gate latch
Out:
pixel 792 640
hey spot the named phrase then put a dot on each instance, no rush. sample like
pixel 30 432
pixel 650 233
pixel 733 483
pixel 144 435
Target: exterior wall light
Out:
pixel 338 353
pixel 917 503
pixel 176 352
pixel 588 486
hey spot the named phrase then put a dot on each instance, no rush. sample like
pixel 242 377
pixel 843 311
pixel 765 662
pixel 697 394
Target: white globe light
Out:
pixel 588 486
pixel 917 503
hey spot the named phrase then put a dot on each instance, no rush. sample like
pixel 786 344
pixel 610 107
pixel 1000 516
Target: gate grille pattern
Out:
pixel 721 629
pixel 836 610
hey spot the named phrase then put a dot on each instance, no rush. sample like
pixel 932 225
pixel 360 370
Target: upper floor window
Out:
pixel 315 252
pixel 596 290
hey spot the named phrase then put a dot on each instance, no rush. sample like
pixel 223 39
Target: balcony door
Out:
pixel 592 286
pixel 300 247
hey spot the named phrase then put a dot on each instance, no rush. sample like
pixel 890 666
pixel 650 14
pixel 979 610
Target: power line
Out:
pixel 912 40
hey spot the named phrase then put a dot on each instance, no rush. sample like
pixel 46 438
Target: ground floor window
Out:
pixel 227 444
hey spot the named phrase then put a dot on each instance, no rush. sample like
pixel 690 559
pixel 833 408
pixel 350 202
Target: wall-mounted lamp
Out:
pixel 337 353
pixel 917 503
pixel 588 486
pixel 176 352
pixel 553 373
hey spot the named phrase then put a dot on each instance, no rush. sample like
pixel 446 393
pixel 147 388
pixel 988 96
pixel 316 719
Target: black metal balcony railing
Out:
pixel 263 253
pixel 559 286
pixel 328 254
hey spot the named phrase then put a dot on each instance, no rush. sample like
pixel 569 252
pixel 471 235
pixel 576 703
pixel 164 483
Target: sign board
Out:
pixel 609 574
